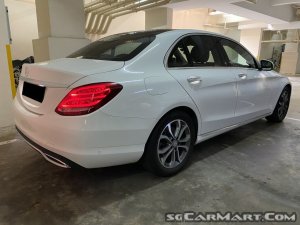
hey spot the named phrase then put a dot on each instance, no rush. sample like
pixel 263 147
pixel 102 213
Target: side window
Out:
pixel 207 54
pixel 196 51
pixel 178 56
pixel 237 56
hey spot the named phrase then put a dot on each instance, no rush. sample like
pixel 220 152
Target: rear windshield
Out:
pixel 119 47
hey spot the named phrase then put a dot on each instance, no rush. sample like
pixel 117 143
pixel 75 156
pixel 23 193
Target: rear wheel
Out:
pixel 170 144
pixel 282 106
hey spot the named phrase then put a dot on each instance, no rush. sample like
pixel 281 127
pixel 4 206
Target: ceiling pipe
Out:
pixel 87 5
pixel 135 5
pixel 97 2
pixel 94 8
pixel 148 6
pixel 102 10
pixel 104 19
pixel 117 6
pixel 110 15
pixel 100 18
pixel 96 21
pixel 89 22
pixel 102 7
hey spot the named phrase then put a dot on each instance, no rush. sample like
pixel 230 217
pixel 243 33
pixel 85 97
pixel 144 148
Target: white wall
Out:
pixel 158 18
pixel 198 19
pixel 251 38
pixel 23 26
pixel 189 19
pixel 6 118
pixel 129 22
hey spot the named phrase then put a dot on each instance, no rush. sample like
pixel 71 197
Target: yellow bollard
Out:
pixel 11 71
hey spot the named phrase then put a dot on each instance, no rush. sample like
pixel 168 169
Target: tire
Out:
pixel 170 144
pixel 282 106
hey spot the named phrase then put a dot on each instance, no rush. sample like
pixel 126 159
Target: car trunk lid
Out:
pixel 64 72
pixel 43 85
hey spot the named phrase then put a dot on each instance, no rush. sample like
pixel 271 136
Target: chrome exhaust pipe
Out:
pixel 50 158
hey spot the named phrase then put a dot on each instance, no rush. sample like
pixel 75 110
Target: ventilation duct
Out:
pixel 100 13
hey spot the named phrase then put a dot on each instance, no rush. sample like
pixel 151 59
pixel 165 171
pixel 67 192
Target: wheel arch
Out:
pixel 188 111
pixel 185 109
pixel 289 86
pixel 282 83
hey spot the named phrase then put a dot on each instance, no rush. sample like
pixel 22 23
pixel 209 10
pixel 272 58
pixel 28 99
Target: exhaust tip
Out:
pixel 55 161
pixel 50 156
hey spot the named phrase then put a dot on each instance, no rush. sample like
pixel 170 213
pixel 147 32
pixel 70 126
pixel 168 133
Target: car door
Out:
pixel 252 84
pixel 196 64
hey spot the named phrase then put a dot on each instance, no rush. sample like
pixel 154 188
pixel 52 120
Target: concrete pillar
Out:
pixel 6 118
pixel 61 27
pixel 251 39
pixel 159 18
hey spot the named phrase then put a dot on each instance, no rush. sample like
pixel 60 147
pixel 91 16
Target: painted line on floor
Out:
pixel 289 118
pixel 9 141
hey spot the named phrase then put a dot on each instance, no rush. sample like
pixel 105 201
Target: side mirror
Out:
pixel 266 65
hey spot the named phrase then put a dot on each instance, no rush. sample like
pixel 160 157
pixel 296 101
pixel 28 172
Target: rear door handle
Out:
pixel 194 80
pixel 243 76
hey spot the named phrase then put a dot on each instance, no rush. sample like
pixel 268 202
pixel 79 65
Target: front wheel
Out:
pixel 282 106
pixel 170 144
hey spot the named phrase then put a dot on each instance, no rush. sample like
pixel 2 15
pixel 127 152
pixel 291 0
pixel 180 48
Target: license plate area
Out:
pixel 34 91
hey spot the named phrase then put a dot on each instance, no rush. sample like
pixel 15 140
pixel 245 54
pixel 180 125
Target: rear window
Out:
pixel 119 47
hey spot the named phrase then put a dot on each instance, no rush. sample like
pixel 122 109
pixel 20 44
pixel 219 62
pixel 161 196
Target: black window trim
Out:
pixel 167 55
pixel 183 40
pixel 225 56
pixel 186 52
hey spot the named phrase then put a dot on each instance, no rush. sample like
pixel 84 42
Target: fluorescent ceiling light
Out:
pixel 251 1
pixel 213 13
pixel 139 1
pixel 270 27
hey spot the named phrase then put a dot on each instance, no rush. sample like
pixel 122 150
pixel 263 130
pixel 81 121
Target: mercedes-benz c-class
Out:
pixel 145 96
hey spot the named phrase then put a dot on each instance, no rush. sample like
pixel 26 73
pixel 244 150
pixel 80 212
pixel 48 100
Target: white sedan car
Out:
pixel 144 96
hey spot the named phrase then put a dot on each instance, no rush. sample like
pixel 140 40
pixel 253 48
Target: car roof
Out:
pixel 180 32
pixel 159 32
pixel 166 33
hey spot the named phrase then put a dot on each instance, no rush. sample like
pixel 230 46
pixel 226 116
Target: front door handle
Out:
pixel 194 80
pixel 243 76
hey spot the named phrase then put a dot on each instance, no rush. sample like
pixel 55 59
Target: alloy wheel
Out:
pixel 283 104
pixel 174 143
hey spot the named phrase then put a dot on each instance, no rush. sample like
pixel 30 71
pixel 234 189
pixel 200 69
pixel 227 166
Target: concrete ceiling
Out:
pixel 265 11
pixel 280 13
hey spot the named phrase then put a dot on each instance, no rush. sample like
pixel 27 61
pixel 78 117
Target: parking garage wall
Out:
pixel 23 25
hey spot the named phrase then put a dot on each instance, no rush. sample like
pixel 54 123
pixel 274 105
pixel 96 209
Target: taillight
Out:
pixel 88 98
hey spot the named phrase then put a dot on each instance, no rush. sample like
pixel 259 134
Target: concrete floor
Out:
pixel 254 168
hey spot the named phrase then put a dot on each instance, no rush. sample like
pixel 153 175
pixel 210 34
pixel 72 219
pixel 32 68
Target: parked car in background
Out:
pixel 17 66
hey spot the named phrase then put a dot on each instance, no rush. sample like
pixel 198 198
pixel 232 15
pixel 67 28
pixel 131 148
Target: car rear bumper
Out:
pixel 98 140
pixel 52 157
